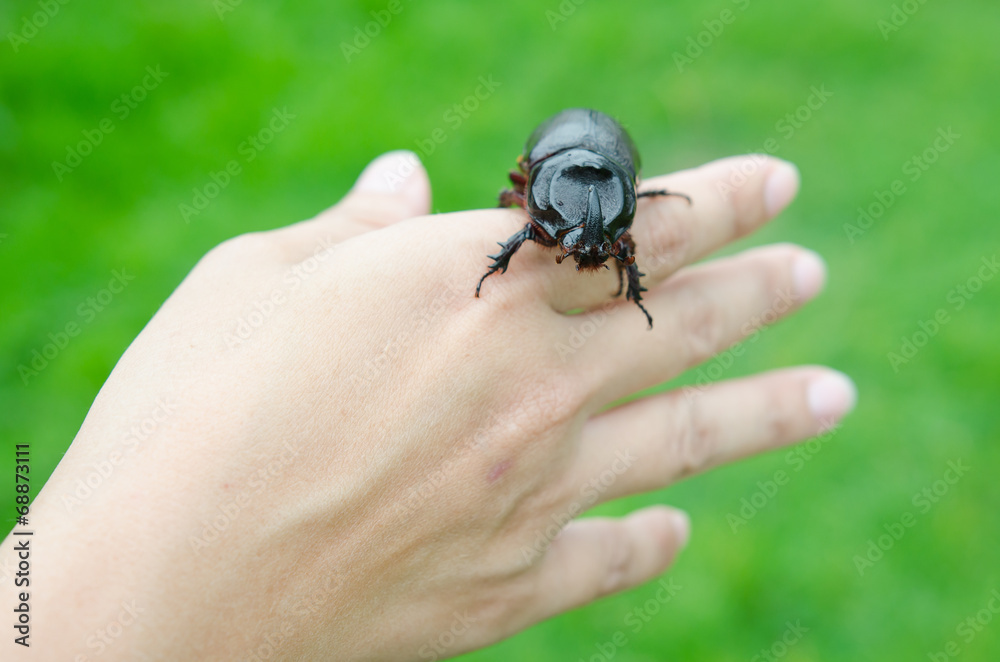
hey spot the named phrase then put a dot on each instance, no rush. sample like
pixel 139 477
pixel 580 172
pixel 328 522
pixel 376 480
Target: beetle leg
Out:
pixel 515 195
pixel 654 194
pixel 625 254
pixel 635 290
pixel 502 259
pixel 510 197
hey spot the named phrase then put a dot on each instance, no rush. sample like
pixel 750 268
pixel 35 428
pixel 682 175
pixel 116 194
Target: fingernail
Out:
pixel 682 527
pixel 831 397
pixel 781 187
pixel 808 274
pixel 398 172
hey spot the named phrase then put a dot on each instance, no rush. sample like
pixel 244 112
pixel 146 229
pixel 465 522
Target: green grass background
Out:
pixel 794 560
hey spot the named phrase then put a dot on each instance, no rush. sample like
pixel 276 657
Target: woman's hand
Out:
pixel 324 447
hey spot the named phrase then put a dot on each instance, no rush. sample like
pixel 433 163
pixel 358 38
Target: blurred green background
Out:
pixel 890 92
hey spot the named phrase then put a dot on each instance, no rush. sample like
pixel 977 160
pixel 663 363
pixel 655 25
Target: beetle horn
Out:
pixel 593 228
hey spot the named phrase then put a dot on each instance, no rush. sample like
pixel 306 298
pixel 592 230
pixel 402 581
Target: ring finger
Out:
pixel 700 312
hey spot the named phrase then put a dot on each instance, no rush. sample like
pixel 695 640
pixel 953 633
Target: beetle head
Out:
pixel 588 244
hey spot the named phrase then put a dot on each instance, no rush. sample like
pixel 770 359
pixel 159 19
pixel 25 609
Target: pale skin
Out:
pixel 371 467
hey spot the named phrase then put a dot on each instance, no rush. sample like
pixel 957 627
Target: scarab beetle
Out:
pixel 577 181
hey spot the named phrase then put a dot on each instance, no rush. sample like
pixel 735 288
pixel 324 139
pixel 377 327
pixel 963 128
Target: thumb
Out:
pixel 392 188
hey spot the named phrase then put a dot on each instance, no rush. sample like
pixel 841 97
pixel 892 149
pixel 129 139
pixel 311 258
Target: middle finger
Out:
pixel 731 198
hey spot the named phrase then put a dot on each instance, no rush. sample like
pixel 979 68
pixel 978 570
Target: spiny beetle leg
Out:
pixel 635 290
pixel 623 249
pixel 502 259
pixel 510 197
pixel 661 192
pixel 625 254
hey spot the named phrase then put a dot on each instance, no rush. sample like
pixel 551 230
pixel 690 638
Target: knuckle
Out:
pixel 620 557
pixel 702 326
pixel 530 426
pixel 503 603
pixel 785 416
pixel 249 245
pixel 772 289
pixel 694 441
pixel 374 210
pixel 667 237
pixel 551 405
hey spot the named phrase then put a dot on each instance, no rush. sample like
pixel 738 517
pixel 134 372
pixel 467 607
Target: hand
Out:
pixel 324 447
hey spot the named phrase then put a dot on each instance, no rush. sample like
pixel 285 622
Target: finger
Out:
pixel 698 313
pixel 393 188
pixel 730 198
pixel 594 557
pixel 650 443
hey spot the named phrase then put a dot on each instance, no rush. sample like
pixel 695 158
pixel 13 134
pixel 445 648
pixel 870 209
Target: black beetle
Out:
pixel 577 180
